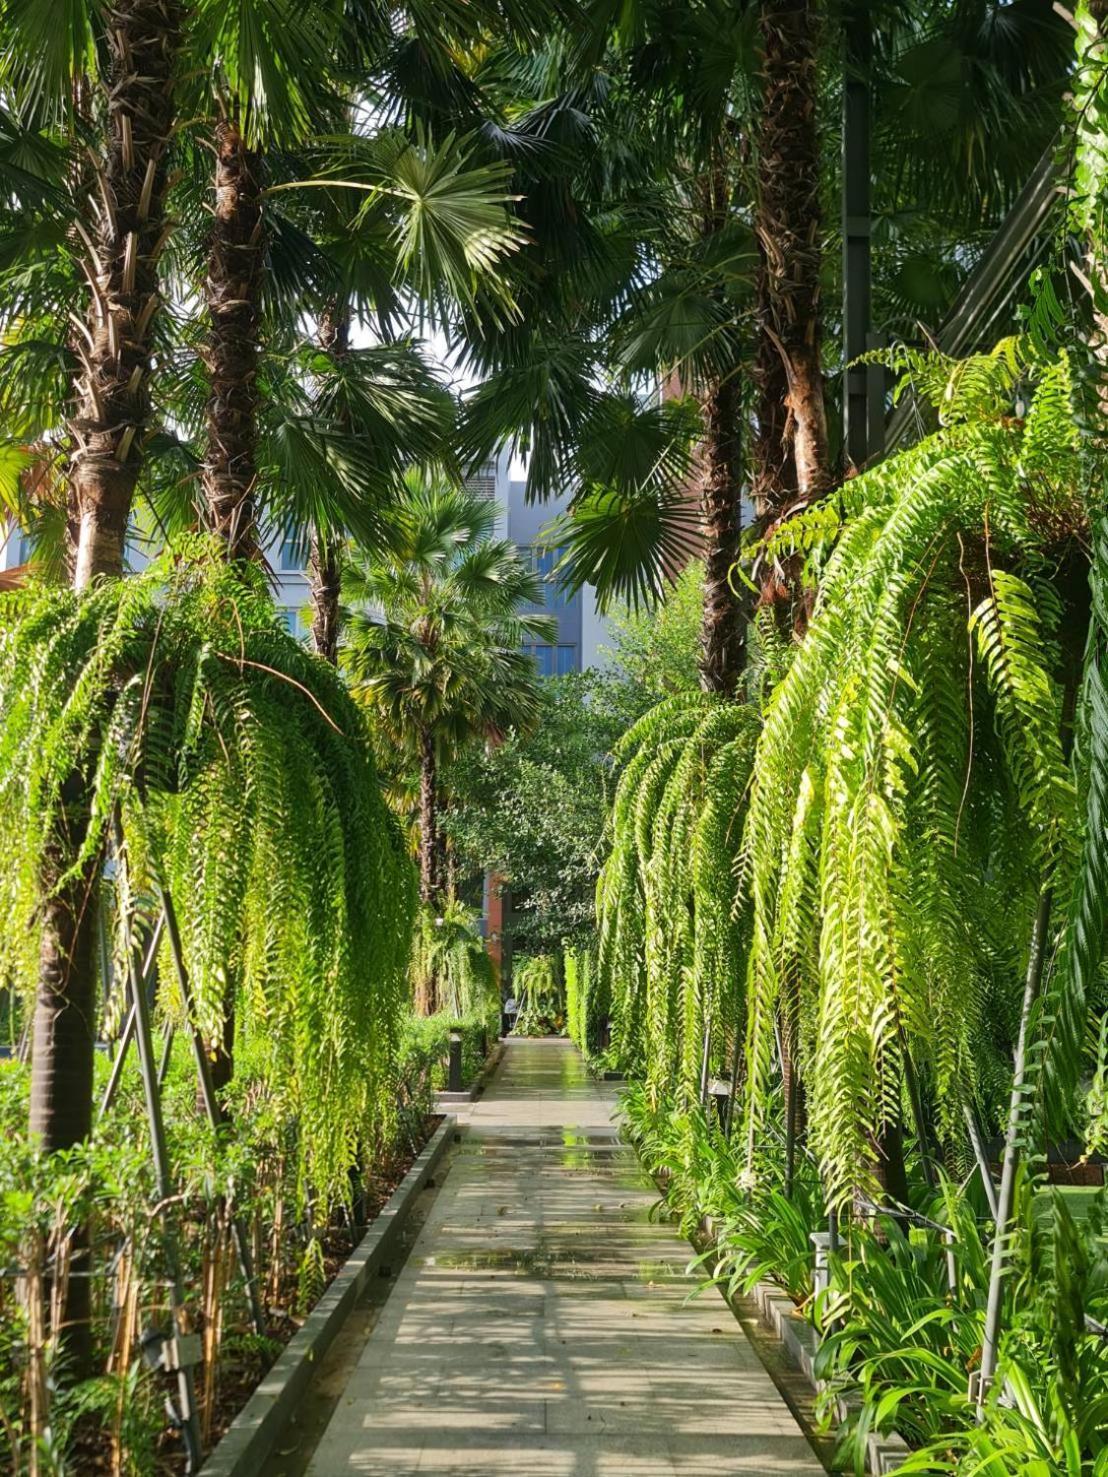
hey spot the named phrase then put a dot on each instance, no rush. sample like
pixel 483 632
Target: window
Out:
pixel 290 619
pixel 24 549
pixel 290 557
pixel 544 561
pixel 553 661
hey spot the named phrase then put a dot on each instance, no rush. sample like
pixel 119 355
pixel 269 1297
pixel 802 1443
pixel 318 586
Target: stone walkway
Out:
pixel 541 1323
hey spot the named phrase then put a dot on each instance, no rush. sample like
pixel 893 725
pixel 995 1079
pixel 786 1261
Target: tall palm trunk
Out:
pixel 792 462
pixel 236 260
pixel 325 559
pixel 112 407
pixel 235 264
pixel 723 624
pixel 429 877
pixel 107 430
pixel 325 579
pixel 723 621
pixel 791 447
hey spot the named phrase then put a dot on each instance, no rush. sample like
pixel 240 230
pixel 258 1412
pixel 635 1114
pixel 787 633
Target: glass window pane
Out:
pixel 567 660
pixel 289 558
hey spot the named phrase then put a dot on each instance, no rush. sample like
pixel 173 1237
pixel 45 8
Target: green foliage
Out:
pixel 671 947
pixel 436 624
pixel 656 648
pixel 243 776
pixel 449 949
pixel 539 984
pixel 532 808
pixel 249 1169
pixel 586 1004
pixel 424 1051
pixel 911 794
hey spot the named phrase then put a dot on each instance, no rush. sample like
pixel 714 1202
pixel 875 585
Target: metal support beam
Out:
pixel 181 1363
pixel 989 288
pixel 211 1102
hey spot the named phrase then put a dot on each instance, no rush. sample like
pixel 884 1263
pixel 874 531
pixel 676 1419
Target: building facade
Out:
pixel 581 630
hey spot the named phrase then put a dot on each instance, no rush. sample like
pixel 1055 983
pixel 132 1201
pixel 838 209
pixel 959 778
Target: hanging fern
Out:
pixel 242 773
pixel 449 948
pixel 671 946
pixel 911 792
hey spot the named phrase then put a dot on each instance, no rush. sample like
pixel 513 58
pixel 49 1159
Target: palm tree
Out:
pixel 434 643
pixel 128 58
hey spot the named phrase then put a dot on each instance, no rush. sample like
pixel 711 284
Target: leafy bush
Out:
pixel 250 1170
pixel 425 1050
pixel 449 949
pixel 540 990
pixel 586 1001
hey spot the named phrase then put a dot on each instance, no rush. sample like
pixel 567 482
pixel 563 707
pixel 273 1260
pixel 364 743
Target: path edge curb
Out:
pixel 251 1437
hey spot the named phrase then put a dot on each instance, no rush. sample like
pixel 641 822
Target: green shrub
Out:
pixel 540 990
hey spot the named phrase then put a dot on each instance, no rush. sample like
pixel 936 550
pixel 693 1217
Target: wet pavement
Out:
pixel 543 1322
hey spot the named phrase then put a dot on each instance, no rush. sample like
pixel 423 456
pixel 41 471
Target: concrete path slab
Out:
pixel 543 1323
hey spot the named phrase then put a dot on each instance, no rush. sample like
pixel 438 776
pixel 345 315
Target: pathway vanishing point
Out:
pixel 541 1325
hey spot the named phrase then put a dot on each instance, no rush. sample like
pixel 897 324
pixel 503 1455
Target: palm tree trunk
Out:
pixel 236 257
pixel 112 394
pixel 235 264
pixel 127 231
pixel 63 1043
pixel 429 884
pixel 723 626
pixel 792 446
pixel 428 820
pixel 325 559
pixel 325 577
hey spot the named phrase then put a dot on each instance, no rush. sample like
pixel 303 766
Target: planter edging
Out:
pixel 885 1451
pixel 248 1443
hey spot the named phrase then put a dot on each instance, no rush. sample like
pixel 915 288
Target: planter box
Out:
pixel 246 1448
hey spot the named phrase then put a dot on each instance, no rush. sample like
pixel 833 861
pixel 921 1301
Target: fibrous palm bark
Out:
pixel 124 232
pixel 112 410
pixel 430 885
pixel 792 462
pixel 233 291
pixel 792 447
pixel 723 624
pixel 325 558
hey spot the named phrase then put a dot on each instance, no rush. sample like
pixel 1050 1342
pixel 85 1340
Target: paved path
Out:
pixel 541 1323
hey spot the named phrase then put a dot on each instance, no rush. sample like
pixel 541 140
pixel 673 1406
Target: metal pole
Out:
pixel 704 1057
pixel 190 1425
pixel 211 1102
pixel 736 1067
pixel 990 1346
pixel 915 1097
pixel 1001 270
pixel 167 1052
pixel 129 1025
pixel 982 1160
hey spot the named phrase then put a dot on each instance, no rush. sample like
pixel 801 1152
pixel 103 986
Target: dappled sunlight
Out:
pixel 543 1322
